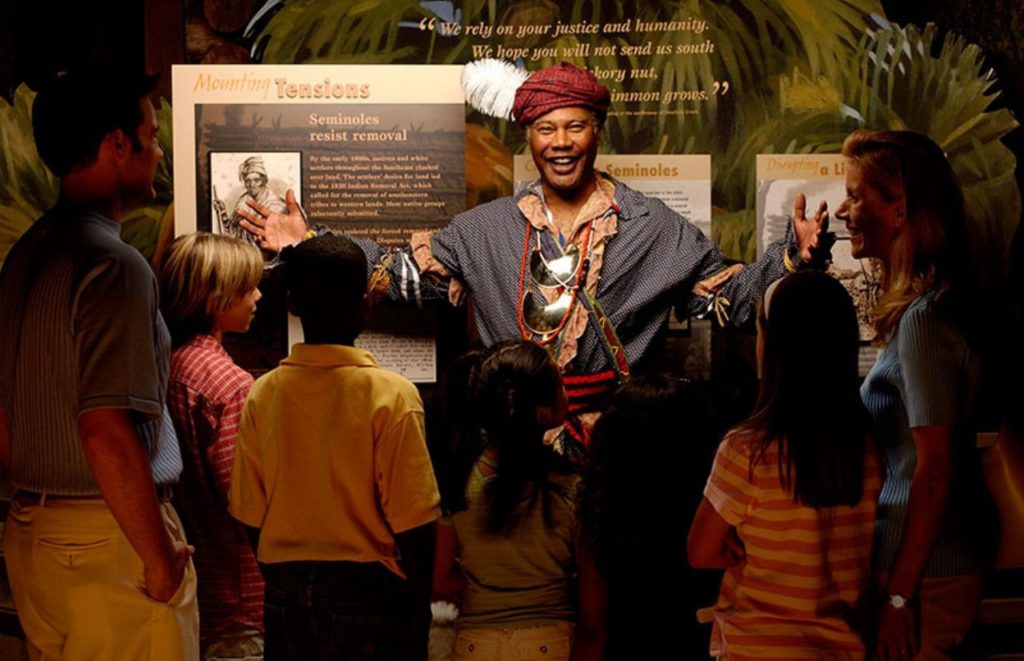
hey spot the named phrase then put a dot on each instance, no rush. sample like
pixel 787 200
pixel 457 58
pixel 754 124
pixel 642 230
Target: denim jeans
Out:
pixel 340 611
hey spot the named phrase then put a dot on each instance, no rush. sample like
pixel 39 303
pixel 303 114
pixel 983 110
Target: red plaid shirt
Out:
pixel 205 396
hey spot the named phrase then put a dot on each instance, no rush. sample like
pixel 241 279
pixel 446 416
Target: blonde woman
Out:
pixel 208 288
pixel 905 208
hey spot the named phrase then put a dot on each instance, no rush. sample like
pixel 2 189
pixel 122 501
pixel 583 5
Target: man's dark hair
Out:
pixel 326 279
pixel 75 111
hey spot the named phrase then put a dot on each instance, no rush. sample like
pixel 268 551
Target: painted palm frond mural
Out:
pixel 899 84
pixel 26 185
pixel 357 32
pixel 898 78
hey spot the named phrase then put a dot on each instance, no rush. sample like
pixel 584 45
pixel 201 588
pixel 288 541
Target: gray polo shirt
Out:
pixel 80 329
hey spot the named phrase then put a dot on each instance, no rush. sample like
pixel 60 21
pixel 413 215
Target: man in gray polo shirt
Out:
pixel 97 561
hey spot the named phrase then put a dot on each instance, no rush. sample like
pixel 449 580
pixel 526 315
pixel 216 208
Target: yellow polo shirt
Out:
pixel 331 459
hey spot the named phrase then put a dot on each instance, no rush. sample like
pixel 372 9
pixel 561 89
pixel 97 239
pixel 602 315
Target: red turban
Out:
pixel 559 86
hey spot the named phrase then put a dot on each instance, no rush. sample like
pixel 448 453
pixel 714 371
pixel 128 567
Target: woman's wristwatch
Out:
pixel 898 601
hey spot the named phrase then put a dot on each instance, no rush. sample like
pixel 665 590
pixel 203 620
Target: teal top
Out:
pixel 927 375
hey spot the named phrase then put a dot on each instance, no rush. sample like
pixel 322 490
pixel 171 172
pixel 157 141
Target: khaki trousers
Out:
pixel 552 642
pixel 77 586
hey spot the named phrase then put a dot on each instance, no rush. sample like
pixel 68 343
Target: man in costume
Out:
pixel 98 564
pixel 578 261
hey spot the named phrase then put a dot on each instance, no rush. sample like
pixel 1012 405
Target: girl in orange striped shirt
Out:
pixel 789 509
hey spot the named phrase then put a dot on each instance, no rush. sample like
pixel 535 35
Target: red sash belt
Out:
pixel 586 392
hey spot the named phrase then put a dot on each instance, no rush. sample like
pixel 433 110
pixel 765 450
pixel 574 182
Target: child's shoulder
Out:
pixel 742 446
pixel 203 365
pixel 387 381
pixel 385 389
pixel 740 441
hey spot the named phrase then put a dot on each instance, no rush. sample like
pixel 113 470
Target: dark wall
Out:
pixel 40 38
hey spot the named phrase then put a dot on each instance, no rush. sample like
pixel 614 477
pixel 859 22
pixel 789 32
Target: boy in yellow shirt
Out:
pixel 332 468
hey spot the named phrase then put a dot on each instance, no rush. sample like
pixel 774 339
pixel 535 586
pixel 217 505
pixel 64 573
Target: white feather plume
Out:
pixel 490 86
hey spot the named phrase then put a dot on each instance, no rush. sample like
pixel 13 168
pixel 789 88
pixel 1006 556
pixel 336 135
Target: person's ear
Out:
pixel 112 148
pixel 120 142
pixel 900 211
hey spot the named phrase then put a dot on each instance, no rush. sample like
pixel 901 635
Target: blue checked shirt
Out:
pixel 653 262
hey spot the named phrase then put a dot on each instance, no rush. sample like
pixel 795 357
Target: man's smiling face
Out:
pixel 563 144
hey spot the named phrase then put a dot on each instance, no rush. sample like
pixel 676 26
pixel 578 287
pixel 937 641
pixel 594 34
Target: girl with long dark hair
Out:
pixel 506 549
pixel 789 508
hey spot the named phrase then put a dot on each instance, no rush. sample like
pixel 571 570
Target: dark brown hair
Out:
pixel 809 404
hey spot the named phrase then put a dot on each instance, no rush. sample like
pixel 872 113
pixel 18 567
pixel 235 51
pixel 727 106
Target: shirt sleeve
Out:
pixel 405 282
pixel 116 318
pixel 220 454
pixel 448 248
pixel 247 496
pixel 404 476
pixel 698 260
pixel 729 488
pixel 745 289
pixel 932 356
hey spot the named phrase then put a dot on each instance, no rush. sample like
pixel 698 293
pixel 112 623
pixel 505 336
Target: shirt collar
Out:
pixel 329 355
pixel 64 215
pixel 207 342
pixel 631 203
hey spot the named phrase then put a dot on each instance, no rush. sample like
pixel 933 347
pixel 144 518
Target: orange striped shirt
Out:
pixel 799 592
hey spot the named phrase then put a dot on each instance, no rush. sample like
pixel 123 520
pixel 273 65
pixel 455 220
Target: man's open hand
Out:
pixel 274 230
pixel 811 233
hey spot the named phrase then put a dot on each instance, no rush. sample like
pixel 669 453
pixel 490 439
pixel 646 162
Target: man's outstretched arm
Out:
pixel 396 274
pixel 738 288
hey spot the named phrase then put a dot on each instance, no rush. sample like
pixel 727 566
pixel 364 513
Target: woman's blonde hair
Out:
pixel 203 274
pixel 931 250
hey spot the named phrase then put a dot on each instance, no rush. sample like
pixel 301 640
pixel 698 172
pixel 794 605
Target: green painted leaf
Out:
pixel 28 188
